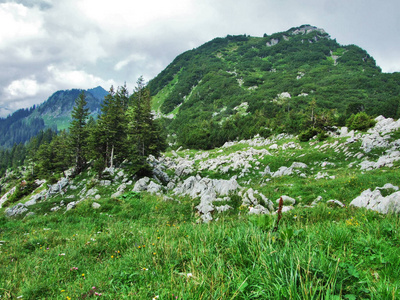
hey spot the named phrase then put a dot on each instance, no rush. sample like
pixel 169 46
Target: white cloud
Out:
pixel 70 77
pixel 131 16
pixel 22 88
pixel 19 23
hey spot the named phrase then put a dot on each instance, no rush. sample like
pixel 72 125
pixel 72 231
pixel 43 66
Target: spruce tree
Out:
pixel 78 132
pixel 144 135
pixel 110 143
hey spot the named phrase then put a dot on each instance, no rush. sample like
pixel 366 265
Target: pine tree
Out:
pixel 144 134
pixel 110 144
pixel 78 132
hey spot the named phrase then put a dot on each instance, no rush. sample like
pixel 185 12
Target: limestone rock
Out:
pixel 385 160
pixel 153 187
pixel 95 205
pixel 223 208
pixel 92 192
pixel 105 182
pixel 287 208
pixel 141 184
pixel 144 184
pixel 55 208
pixel 335 203
pixel 287 200
pixel 159 174
pixel 71 205
pixel 207 189
pixel 58 187
pixel 6 196
pixel 258 210
pixel 316 201
pixel 16 210
pixel 286 171
pixel 375 201
pixel 109 171
pixel 120 191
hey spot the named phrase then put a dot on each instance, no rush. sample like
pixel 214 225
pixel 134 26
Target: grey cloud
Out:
pixel 43 5
pixel 70 40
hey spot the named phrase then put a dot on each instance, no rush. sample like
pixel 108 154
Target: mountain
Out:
pixel 54 113
pixel 239 86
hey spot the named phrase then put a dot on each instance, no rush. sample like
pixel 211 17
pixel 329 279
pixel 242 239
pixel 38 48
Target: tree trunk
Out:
pixel 112 157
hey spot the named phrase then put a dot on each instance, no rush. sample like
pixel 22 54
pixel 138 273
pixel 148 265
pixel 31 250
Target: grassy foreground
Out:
pixel 142 247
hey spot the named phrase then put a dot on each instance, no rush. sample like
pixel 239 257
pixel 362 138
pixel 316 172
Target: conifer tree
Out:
pixel 144 134
pixel 111 129
pixel 79 133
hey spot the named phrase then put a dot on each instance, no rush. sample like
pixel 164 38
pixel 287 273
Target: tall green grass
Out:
pixel 140 247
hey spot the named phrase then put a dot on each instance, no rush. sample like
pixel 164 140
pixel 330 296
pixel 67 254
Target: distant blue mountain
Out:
pixel 54 113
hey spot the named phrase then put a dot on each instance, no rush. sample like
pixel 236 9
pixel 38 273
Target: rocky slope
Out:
pixel 251 175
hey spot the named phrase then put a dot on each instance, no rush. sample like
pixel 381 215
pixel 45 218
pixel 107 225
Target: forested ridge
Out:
pixel 54 113
pixel 239 86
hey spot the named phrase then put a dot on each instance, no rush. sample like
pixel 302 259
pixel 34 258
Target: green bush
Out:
pixel 360 121
pixel 308 134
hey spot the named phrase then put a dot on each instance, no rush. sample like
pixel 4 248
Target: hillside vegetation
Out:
pixel 238 86
pixel 54 114
pixel 203 226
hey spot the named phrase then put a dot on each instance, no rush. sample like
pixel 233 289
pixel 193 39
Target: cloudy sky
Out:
pixel 48 45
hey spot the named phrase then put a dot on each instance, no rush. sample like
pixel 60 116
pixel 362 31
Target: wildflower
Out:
pixel 97 294
pixel 112 256
pixel 62 254
pixel 68 298
pixel 155 297
pixel 62 291
pixel 154 253
pixel 83 274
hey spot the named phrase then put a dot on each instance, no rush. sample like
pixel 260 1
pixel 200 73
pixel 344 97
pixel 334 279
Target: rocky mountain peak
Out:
pixel 306 29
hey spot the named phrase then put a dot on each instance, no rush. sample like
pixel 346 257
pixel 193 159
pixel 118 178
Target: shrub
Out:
pixel 308 134
pixel 360 121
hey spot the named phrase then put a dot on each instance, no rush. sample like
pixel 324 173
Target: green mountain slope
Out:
pixel 54 113
pixel 237 86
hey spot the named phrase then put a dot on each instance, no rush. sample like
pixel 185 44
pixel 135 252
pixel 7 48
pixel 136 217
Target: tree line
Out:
pixel 125 133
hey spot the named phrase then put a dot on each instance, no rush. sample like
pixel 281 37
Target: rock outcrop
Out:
pixel 208 190
pixel 375 201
